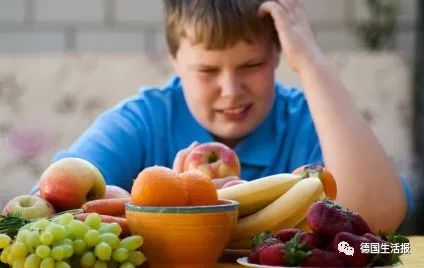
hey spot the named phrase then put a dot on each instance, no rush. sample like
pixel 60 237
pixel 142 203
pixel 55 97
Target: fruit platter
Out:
pixel 186 219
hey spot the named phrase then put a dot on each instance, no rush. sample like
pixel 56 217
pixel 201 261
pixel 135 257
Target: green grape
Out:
pixel 103 251
pixel 10 259
pixel 132 242
pixel 78 228
pixel 32 261
pixel 18 263
pixel 46 238
pixel 127 265
pixel 57 230
pixel 100 264
pixel 41 225
pixel 33 239
pixel 113 228
pixel 47 263
pixel 65 241
pixel 19 250
pixel 120 254
pixel 5 253
pixel 65 219
pixel 4 240
pixel 21 236
pixel 57 253
pixel 91 238
pixel 111 239
pixel 43 251
pixel 79 246
pixel 112 264
pixel 68 251
pixel 88 259
pixel 62 264
pixel 93 220
pixel 136 257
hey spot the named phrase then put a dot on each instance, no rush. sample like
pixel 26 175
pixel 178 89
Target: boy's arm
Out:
pixel 366 178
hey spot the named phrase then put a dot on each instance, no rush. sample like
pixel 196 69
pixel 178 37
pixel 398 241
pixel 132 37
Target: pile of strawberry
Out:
pixel 330 224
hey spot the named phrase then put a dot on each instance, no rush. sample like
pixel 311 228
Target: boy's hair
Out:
pixel 216 24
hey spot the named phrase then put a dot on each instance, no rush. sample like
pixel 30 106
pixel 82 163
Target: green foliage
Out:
pixel 379 29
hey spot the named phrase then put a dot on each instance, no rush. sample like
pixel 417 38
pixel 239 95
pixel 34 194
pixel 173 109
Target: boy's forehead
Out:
pixel 196 55
pixel 257 45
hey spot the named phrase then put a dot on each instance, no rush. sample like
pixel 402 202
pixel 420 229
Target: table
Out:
pixel 414 259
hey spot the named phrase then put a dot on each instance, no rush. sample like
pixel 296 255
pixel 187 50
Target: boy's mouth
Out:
pixel 236 113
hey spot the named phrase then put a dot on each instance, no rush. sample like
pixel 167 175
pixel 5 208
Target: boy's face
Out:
pixel 230 91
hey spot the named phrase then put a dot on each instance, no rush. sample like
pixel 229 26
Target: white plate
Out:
pixel 243 261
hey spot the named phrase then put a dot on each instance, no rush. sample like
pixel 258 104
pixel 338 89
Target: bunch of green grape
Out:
pixel 65 242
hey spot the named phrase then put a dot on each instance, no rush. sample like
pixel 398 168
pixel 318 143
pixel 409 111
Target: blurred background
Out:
pixel 63 62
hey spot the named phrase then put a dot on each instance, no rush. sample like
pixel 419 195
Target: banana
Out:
pixel 279 210
pixel 299 216
pixel 303 226
pixel 257 194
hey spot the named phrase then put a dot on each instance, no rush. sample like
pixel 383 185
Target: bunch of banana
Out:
pixel 270 204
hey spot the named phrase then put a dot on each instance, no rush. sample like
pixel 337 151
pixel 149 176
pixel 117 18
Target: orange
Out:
pixel 159 186
pixel 201 190
pixel 328 182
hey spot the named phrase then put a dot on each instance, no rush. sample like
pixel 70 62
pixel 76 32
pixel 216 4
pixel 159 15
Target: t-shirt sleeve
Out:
pixel 305 146
pixel 114 143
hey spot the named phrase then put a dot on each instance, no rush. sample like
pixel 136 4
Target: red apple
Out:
pixel 29 207
pixel 113 191
pixel 70 182
pixel 214 159
pixel 232 183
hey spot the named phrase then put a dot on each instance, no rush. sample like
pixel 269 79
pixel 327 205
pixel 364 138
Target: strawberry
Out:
pixel 254 255
pixel 290 253
pixel 359 225
pixel 358 258
pixel 287 234
pixel 272 255
pixel 260 238
pixel 327 219
pixel 323 258
pixel 381 259
pixel 310 239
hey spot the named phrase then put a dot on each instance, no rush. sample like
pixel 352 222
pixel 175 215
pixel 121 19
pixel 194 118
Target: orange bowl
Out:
pixel 187 237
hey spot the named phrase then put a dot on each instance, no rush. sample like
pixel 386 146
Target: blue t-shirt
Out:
pixel 150 128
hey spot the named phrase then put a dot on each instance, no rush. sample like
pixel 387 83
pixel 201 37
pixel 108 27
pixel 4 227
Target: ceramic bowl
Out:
pixel 183 236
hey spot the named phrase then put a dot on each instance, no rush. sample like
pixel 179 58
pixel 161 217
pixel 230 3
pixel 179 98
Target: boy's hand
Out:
pixel 181 156
pixel 294 32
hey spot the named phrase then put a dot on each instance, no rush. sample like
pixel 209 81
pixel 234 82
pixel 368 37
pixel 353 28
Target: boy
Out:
pixel 225 54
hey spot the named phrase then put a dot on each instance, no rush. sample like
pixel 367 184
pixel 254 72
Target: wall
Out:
pixel 134 25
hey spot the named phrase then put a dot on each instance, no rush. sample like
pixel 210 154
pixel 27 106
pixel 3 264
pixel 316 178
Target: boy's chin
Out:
pixel 233 135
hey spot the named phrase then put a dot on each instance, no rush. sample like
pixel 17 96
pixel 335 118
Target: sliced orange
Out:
pixel 327 179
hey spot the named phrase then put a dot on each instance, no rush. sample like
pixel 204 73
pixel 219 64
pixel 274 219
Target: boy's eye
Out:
pixel 254 65
pixel 208 71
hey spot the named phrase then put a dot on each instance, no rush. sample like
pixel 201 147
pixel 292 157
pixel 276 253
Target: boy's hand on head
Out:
pixel 294 32
pixel 181 156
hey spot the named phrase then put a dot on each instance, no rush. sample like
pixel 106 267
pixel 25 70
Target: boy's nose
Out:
pixel 231 86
